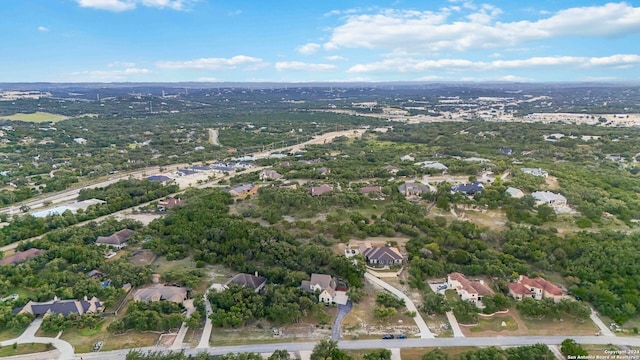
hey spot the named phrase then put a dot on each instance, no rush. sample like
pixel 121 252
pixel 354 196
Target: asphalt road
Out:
pixel 343 310
pixel 390 344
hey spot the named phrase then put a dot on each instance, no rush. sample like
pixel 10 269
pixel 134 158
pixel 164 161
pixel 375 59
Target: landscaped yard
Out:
pixel 22 349
pixel 495 324
pixel 10 334
pixel 83 340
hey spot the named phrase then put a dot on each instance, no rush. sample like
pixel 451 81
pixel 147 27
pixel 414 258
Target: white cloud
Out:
pixel 514 78
pixel 301 66
pixel 213 63
pixel 405 65
pixel 43 28
pixel 234 13
pixel 308 49
pixel 335 58
pixel 125 64
pixel 426 31
pixel 109 75
pixel 124 5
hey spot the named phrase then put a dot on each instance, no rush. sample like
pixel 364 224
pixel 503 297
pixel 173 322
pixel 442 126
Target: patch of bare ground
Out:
pixel 142 257
pixel 361 323
pixel 263 333
pixel 552 183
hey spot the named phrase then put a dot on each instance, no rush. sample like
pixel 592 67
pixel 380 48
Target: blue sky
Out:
pixel 311 40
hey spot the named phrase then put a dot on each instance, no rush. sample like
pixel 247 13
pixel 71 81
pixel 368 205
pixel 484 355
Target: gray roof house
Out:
pixel 412 189
pixel 62 307
pixel 161 292
pixel 116 240
pixel 514 193
pixel 549 198
pixel 254 282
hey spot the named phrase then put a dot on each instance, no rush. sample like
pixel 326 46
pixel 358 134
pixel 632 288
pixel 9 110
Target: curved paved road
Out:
pixel 425 333
pixel 29 336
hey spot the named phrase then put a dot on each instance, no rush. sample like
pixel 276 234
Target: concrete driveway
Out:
pixel 425 333
pixel 208 326
pixel 343 310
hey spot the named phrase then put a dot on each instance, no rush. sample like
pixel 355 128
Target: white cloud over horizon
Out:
pixel 302 66
pixel 43 28
pixel 396 30
pixel 109 75
pixel 125 5
pixel 414 65
pixel 250 63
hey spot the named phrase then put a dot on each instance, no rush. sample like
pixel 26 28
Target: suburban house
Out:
pixel 468 290
pixel 269 174
pixel 468 189
pixel 380 256
pixel 412 189
pixel 327 287
pixel 320 190
pixel 21 256
pixel 324 171
pixel 514 193
pixel 535 172
pixel 374 190
pixel 549 198
pixel 505 150
pixel 168 203
pixel 536 288
pixel 95 274
pixel 391 169
pixel 116 240
pixel 63 307
pixel 432 165
pixel 254 282
pixel 161 292
pixel 408 158
pixel 242 190
pixel 161 178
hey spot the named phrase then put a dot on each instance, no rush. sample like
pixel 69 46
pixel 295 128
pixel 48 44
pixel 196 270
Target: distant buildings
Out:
pixel 243 190
pixel 268 174
pixel 514 193
pixel 432 165
pixel 535 172
pixel 468 189
pixel 549 198
pixel 412 189
pixel 320 190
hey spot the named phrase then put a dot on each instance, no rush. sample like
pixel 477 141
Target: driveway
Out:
pixel 343 310
pixel 425 333
pixel 28 337
pixel 208 326
pixel 604 330
pixel 457 332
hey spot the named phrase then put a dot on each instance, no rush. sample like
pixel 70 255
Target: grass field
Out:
pixel 37 117
pixel 417 353
pixel 495 324
pixel 22 349
pixel 10 334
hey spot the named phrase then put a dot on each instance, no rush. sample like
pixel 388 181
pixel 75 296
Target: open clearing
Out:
pixel 37 117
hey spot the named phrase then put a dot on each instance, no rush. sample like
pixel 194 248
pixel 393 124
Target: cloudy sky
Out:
pixel 328 40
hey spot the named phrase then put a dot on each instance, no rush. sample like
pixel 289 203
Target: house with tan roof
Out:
pixel 536 288
pixel 384 256
pixel 269 174
pixel 320 190
pixel 161 292
pixel 116 240
pixel 468 290
pixel 21 256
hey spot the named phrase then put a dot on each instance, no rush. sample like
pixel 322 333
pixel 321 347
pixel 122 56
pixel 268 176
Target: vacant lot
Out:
pixel 417 353
pixel 37 117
